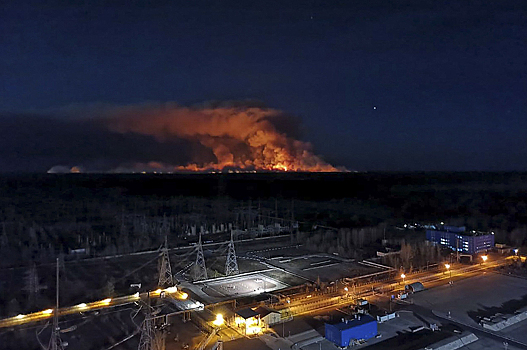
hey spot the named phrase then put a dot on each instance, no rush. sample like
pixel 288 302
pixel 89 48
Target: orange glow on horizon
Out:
pixel 239 139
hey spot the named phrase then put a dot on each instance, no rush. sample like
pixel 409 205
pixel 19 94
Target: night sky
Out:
pixel 377 85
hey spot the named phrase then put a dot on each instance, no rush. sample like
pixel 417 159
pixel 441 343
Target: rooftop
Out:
pixel 361 319
pixel 247 313
pixel 263 311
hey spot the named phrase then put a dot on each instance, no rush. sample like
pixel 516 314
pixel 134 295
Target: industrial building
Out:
pixel 268 316
pixel 461 240
pixel 348 332
pixel 248 321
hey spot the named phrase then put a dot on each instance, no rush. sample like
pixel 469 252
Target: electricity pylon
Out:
pixel 145 343
pixel 165 271
pixel 231 265
pixel 55 343
pixel 152 337
pixel 200 270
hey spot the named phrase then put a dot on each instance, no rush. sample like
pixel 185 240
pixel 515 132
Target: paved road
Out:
pixel 96 305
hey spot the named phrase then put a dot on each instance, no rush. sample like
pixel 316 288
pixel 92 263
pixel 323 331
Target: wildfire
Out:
pixel 237 138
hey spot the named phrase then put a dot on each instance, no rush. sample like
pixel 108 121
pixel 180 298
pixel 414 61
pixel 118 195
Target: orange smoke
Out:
pixel 243 138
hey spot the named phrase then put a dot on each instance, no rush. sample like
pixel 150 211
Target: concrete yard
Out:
pixel 472 294
pixel 246 285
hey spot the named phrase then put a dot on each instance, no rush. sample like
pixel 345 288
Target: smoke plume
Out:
pixel 168 138
pixel 240 137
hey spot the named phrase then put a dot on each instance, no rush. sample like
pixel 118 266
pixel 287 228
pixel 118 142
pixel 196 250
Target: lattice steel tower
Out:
pixel 55 343
pixel 231 265
pixel 200 270
pixel 147 329
pixel 165 271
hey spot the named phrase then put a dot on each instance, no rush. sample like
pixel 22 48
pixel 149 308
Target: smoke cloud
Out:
pixel 169 137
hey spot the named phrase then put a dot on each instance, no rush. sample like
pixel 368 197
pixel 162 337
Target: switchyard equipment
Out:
pixel 348 332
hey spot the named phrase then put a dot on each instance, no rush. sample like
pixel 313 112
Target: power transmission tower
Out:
pixel 231 265
pixel 55 343
pixel 147 330
pixel 151 338
pixel 200 270
pixel 165 271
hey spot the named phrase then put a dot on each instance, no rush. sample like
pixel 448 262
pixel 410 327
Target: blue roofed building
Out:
pixel 345 333
pixel 459 239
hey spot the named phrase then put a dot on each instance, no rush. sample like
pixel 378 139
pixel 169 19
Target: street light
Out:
pixel 450 272
pixel 484 258
pixel 403 276
pixel 219 320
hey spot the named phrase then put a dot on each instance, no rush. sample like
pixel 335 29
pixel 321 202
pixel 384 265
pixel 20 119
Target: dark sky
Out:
pixel 378 85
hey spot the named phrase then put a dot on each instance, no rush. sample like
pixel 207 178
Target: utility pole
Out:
pixel 165 271
pixel 55 343
pixel 231 265
pixel 457 247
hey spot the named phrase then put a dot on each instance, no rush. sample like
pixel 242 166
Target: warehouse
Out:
pixel 347 332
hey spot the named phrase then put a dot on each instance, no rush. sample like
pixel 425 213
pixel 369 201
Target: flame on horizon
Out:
pixel 242 138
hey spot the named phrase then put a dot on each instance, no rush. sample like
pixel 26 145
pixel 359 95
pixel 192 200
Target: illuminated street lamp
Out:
pixel 484 258
pixel 450 271
pixel 403 276
pixel 219 320
pixel 47 311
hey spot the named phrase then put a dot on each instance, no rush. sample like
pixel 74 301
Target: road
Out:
pixel 300 304
pixel 92 306
pixel 310 302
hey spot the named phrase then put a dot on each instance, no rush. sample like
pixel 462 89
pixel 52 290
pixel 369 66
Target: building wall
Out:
pixel 343 337
pixel 271 318
pixel 333 334
pixel 465 243
pixel 363 331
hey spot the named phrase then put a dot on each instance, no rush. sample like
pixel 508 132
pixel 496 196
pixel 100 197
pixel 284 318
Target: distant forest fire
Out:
pixel 234 138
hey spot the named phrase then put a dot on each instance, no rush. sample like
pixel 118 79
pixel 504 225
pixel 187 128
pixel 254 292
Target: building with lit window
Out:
pixel 248 321
pixel 459 239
